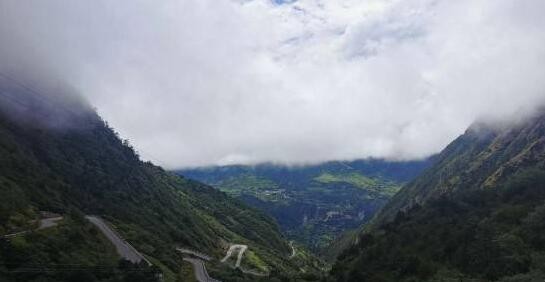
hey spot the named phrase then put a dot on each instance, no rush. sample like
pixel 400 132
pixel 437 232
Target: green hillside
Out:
pixel 67 160
pixel 484 157
pixel 476 215
pixel 378 186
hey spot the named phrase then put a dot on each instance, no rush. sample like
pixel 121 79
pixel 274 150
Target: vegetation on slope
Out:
pixel 72 251
pixel 487 235
pixel 477 215
pixel 483 157
pixel 69 159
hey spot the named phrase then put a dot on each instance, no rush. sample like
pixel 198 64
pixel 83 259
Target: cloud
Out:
pixel 200 82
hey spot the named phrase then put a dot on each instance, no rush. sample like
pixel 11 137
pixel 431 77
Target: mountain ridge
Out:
pixel 485 153
pixel 477 214
pixel 69 161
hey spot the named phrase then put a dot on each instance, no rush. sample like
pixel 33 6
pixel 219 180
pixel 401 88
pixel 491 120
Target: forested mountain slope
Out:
pixel 478 213
pixel 58 155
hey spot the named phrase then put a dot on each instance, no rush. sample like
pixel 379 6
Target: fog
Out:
pixel 203 82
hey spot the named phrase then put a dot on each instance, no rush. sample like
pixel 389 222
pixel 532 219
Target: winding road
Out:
pixel 44 223
pixel 124 249
pixel 292 250
pixel 200 270
pixel 194 253
pixel 241 249
pixel 232 248
pixel 49 222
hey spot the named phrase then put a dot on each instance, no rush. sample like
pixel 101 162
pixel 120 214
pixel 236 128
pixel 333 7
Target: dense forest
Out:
pixel 487 235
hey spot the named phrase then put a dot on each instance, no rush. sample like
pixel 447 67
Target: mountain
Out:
pixel 483 157
pixel 478 214
pixel 57 155
pixel 313 204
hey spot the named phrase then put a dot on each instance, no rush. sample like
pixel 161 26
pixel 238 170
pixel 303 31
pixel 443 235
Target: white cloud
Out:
pixel 200 82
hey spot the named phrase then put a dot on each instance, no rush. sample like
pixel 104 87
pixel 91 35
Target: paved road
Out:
pixel 254 272
pixel 292 250
pixel 124 249
pixel 194 253
pixel 15 234
pixel 200 270
pixel 49 222
pixel 241 249
pixel 44 223
pixel 232 248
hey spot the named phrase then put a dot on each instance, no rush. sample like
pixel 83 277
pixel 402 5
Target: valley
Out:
pixel 272 141
pixel 314 204
pixel 371 220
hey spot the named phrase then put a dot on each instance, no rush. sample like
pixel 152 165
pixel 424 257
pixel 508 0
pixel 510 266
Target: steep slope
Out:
pixel 478 213
pixel 60 156
pixel 313 204
pixel 483 157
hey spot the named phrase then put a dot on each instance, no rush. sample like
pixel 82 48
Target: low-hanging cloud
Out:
pixel 200 82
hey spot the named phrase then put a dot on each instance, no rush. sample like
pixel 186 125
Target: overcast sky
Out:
pixel 201 82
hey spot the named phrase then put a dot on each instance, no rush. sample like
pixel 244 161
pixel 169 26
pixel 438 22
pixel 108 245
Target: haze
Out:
pixel 204 82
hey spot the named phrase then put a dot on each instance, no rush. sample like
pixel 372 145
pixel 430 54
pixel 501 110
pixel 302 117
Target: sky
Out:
pixel 214 82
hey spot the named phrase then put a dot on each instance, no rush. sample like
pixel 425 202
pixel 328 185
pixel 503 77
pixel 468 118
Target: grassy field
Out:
pixel 382 187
